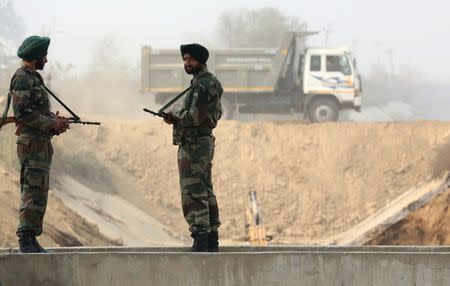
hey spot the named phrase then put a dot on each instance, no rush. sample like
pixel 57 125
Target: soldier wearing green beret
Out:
pixel 36 125
pixel 192 132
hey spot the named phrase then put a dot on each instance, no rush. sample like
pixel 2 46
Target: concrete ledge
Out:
pixel 245 249
pixel 288 265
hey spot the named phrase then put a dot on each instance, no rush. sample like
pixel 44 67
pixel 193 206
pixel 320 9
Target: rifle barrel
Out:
pixel 78 121
pixel 84 122
pixel 159 114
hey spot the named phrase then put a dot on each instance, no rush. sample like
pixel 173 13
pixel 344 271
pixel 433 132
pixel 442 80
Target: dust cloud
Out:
pixel 109 87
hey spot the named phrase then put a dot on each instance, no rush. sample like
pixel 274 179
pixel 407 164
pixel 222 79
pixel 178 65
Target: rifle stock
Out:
pixel 7 121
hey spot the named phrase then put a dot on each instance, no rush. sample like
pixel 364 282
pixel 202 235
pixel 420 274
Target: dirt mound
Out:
pixel 428 225
pixel 312 180
pixel 62 227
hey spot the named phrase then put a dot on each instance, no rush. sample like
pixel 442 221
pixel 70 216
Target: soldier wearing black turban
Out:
pixel 193 128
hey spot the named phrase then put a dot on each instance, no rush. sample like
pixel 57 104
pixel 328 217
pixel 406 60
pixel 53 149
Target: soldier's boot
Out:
pixel 200 242
pixel 213 241
pixel 26 244
pixel 38 246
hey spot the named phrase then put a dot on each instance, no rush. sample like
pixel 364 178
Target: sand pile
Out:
pixel 312 180
pixel 428 225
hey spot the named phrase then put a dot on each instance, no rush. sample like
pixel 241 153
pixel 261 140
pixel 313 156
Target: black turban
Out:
pixel 34 48
pixel 197 51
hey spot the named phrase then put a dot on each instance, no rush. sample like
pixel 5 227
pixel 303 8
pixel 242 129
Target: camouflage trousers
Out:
pixel 35 160
pixel 197 196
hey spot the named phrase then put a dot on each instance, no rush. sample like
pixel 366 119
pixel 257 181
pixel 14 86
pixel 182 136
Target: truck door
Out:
pixel 338 75
pixel 333 75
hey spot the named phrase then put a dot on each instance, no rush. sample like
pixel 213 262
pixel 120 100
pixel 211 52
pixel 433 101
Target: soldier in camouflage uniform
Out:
pixel 192 128
pixel 35 127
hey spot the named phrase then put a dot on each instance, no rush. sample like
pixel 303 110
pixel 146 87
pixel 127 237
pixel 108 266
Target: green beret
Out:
pixel 197 51
pixel 33 48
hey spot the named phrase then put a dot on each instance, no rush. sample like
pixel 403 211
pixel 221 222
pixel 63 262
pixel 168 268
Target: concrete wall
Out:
pixel 234 266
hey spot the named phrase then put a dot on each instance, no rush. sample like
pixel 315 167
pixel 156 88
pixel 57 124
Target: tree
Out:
pixel 259 28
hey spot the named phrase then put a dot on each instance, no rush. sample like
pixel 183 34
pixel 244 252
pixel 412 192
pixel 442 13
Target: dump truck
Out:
pixel 316 82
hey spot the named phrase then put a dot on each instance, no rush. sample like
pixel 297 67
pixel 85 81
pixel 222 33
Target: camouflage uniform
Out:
pixel 31 108
pixel 193 133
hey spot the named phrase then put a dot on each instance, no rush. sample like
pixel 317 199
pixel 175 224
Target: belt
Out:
pixel 33 132
pixel 196 132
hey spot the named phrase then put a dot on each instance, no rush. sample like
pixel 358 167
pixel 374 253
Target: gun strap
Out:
pixel 76 117
pixel 178 96
pixel 174 99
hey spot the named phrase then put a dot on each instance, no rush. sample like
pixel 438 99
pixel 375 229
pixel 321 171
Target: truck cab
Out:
pixel 330 82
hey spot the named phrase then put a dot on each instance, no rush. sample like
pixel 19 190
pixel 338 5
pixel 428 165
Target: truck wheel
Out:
pixel 323 110
pixel 227 109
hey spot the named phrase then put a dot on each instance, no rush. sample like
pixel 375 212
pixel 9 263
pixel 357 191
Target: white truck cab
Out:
pixel 331 81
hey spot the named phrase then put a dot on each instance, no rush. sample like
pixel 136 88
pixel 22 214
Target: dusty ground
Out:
pixel 312 180
pixel 62 226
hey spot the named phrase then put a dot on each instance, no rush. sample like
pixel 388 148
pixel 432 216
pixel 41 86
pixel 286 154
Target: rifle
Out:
pixel 72 120
pixel 75 119
pixel 159 113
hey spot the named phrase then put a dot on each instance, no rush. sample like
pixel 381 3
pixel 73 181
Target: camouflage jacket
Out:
pixel 31 105
pixel 201 108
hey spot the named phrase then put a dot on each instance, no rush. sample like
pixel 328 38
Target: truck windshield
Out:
pixel 338 64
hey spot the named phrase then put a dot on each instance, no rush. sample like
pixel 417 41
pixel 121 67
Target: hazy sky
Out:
pixel 401 34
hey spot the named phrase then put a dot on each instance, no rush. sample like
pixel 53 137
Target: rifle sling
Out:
pixel 62 103
pixel 174 99
pixel 178 96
